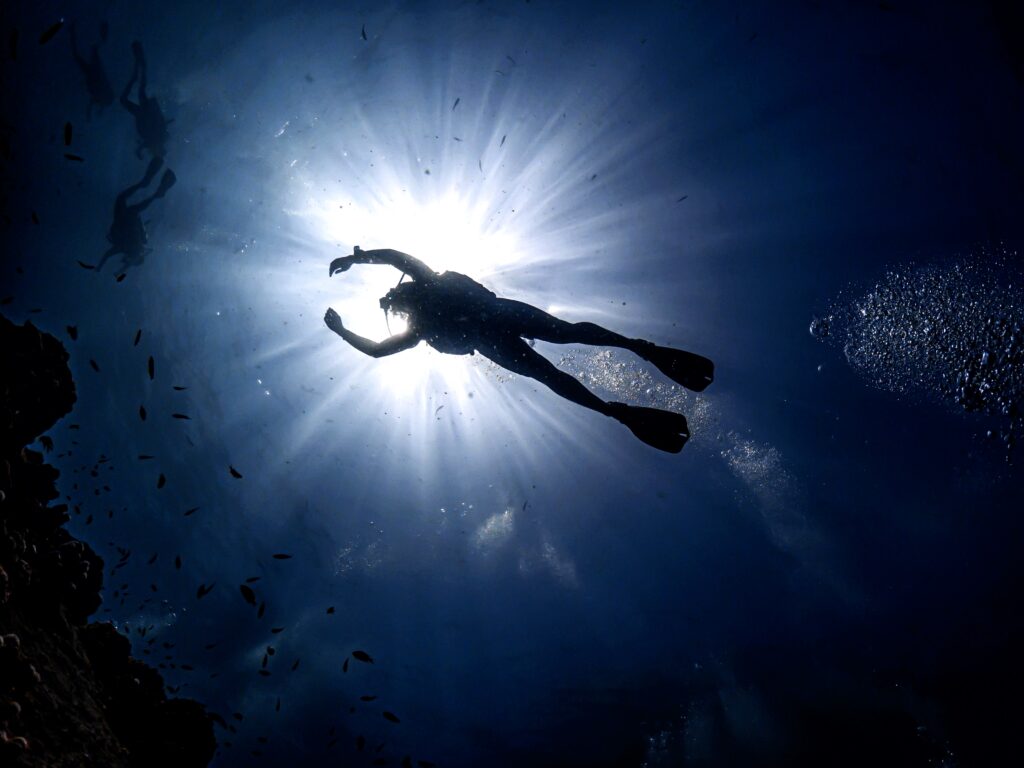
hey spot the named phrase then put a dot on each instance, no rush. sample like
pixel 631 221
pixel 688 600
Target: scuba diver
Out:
pixel 150 122
pixel 456 315
pixel 101 93
pixel 127 234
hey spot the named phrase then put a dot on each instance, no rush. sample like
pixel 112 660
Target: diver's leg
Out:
pixel 664 430
pixel 165 184
pixel 686 368
pixel 517 356
pixel 535 323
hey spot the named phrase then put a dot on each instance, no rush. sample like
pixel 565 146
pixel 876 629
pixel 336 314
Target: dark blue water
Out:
pixel 828 573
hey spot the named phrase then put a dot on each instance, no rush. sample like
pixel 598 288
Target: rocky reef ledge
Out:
pixel 70 692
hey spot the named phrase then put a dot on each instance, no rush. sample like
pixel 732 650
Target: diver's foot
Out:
pixel 695 372
pixel 166 182
pixel 665 430
pixel 137 52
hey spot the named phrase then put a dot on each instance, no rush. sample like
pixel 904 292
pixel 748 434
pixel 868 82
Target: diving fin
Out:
pixel 695 372
pixel 665 430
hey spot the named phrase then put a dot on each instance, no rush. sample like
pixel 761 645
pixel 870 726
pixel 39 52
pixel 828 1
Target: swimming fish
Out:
pixel 235 473
pixel 363 33
pixel 457 100
pixel 152 368
pixel 67 134
pixel 47 36
pixel 390 716
pixel 161 481
pixel 282 557
pixel 204 590
pixel 248 595
pixel 362 656
pixel 72 332
pixel 142 412
pixel 138 336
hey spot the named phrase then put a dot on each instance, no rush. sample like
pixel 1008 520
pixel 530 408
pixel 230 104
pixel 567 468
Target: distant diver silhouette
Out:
pixel 150 123
pixel 101 93
pixel 127 233
pixel 456 315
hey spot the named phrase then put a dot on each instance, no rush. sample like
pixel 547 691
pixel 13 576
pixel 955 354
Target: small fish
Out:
pixel 74 158
pixel 191 511
pixel 276 630
pixel 282 557
pixel 138 338
pixel 682 198
pixel 344 667
pixel 145 457
pixel 511 59
pixel 152 368
pixel 95 365
pixel 503 141
pixel 363 33
pixel 252 579
pixel 277 707
pixel 181 416
pixel 72 332
pixel 261 610
pixel 456 103
pixel 235 473
pixel 161 481
pixel 390 716
pixel 295 665
pixel 67 134
pixel 142 412
pixel 331 609
pixel 456 138
pixel 362 656
pixel 177 562
pixel 120 278
pixel 265 672
pixel 248 595
pixel 204 590
pixel 593 177
pixel 179 389
pixel 480 165
pixel 367 698
pixel 52 30
pixel 438 409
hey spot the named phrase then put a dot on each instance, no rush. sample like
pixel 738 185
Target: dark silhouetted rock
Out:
pixel 70 692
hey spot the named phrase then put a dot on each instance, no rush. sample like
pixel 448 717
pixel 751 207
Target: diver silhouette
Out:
pixel 101 93
pixel 127 234
pixel 150 123
pixel 455 314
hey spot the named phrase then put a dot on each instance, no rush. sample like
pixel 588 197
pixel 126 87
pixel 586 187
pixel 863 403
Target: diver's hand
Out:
pixel 333 320
pixel 340 264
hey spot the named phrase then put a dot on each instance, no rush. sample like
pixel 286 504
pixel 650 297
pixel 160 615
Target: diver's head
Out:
pixel 400 300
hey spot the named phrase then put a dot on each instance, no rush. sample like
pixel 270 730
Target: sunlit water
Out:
pixel 535 586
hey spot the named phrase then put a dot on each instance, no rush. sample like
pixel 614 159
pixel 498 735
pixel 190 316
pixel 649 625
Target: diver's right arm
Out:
pixel 400 261
pixel 390 345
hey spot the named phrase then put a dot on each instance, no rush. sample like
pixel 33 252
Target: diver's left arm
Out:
pixel 400 261
pixel 391 345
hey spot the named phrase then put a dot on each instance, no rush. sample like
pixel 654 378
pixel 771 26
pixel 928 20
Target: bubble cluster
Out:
pixel 951 332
